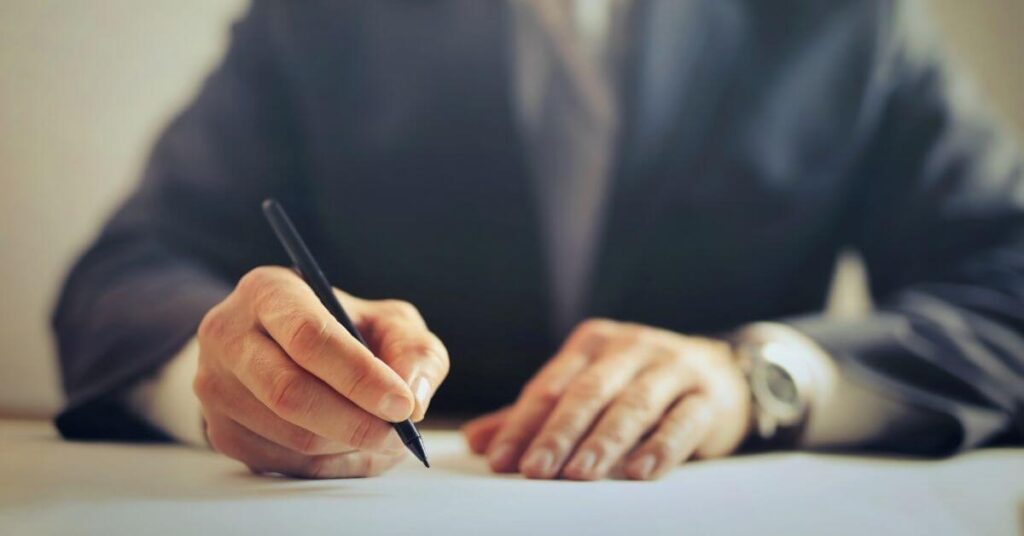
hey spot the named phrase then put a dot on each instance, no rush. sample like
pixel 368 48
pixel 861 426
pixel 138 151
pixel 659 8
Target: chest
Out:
pixel 727 185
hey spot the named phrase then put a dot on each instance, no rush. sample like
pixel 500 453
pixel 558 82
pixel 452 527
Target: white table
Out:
pixel 49 486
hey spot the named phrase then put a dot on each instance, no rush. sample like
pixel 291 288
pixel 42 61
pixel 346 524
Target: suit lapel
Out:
pixel 681 55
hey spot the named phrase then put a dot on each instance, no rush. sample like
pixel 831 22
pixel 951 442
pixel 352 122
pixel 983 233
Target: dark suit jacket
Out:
pixel 759 139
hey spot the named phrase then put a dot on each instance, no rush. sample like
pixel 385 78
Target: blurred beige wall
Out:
pixel 987 38
pixel 85 86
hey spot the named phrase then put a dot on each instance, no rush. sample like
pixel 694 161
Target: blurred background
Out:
pixel 86 86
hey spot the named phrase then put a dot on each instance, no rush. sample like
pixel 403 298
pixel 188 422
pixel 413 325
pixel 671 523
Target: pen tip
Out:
pixel 417 449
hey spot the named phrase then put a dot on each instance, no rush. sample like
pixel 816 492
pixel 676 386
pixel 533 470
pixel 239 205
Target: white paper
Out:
pixel 48 486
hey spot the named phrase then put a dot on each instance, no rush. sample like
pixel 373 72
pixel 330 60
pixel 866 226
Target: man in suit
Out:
pixel 617 217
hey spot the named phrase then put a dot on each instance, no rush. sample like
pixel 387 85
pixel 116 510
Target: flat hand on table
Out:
pixel 619 393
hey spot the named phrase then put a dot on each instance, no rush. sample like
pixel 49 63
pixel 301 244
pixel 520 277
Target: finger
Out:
pixel 224 394
pixel 480 431
pixel 357 464
pixel 584 400
pixel 525 418
pixel 263 456
pixel 635 411
pixel 294 317
pixel 403 342
pixel 300 398
pixel 235 441
pixel 678 435
pixel 542 393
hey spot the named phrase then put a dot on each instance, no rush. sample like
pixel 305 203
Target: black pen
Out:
pixel 314 277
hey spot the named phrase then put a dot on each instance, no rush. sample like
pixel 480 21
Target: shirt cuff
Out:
pixel 166 400
pixel 841 413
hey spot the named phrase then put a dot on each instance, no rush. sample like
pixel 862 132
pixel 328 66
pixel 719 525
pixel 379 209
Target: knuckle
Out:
pixel 307 336
pixel 673 426
pixel 203 385
pixel 661 445
pixel 587 387
pixel 568 426
pixel 360 465
pixel 255 468
pixel 637 334
pixel 400 308
pixel 255 357
pixel 597 326
pixel 602 447
pixel 559 441
pixel 234 350
pixel 633 327
pixel 672 360
pixel 255 282
pixel 305 442
pixel 544 392
pixel 592 333
pixel 631 336
pixel 220 440
pixel 368 433
pixel 636 401
pixel 438 351
pixel 316 467
pixel 376 465
pixel 350 465
pixel 613 435
pixel 701 414
pixel 360 431
pixel 213 327
pixel 432 347
pixel 266 295
pixel 347 465
pixel 287 395
pixel 268 300
pixel 376 438
pixel 695 414
pixel 357 380
pixel 425 347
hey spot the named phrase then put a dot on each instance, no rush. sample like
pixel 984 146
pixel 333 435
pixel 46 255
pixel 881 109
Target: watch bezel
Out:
pixel 770 412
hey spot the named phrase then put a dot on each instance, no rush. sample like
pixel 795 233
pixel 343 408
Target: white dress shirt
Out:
pixel 567 53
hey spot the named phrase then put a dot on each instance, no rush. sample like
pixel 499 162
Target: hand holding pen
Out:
pixel 286 388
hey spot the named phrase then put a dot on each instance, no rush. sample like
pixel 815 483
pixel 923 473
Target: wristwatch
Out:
pixel 780 390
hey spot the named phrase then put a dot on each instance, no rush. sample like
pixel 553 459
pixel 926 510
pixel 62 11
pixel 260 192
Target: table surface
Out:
pixel 49 486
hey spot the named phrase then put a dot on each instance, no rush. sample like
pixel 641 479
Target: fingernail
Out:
pixel 394 407
pixel 539 463
pixel 421 390
pixel 643 466
pixel 500 456
pixel 583 464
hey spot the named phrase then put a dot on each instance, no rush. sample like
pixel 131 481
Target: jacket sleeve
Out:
pixel 178 243
pixel 938 215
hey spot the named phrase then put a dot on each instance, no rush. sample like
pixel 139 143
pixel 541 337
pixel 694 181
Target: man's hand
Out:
pixel 617 392
pixel 285 389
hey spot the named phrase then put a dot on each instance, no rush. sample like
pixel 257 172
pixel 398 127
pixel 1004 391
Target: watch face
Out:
pixel 776 392
pixel 780 384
